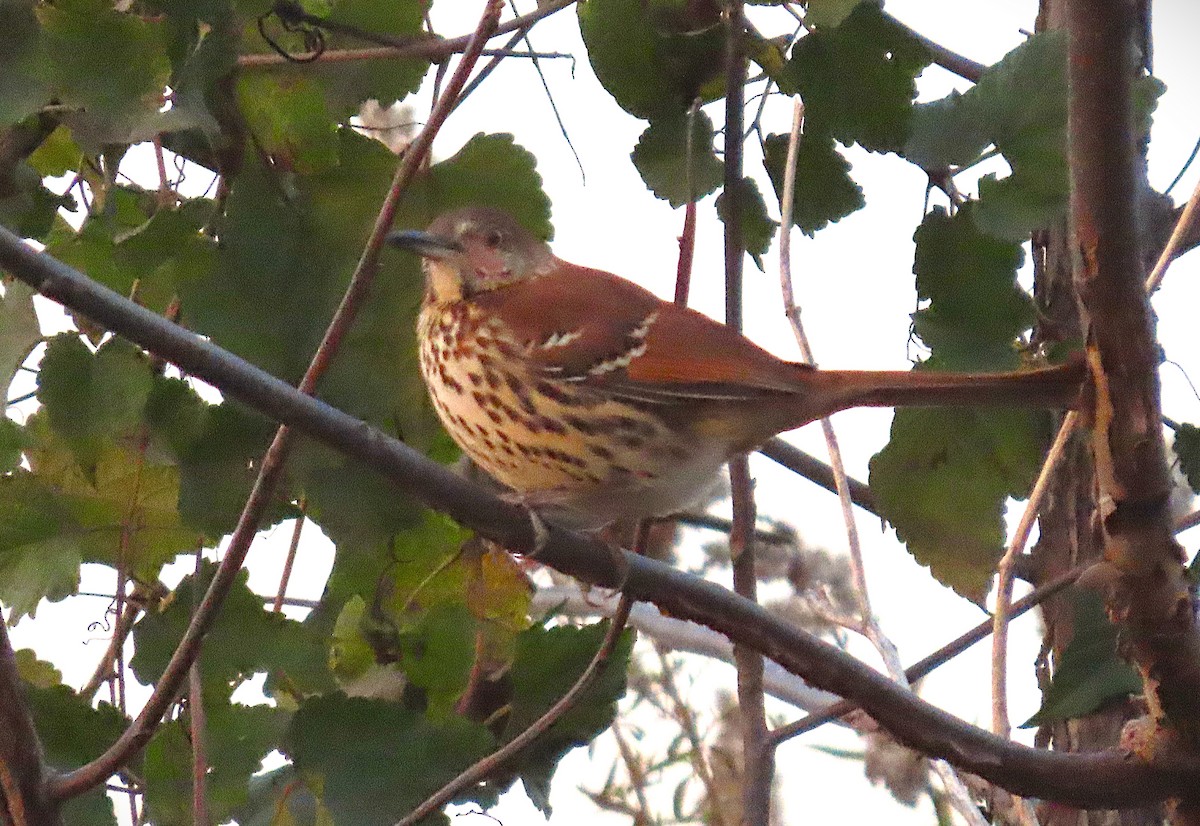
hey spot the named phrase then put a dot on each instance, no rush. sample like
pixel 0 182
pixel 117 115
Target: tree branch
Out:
pixel 758 770
pixel 678 635
pixel 1098 780
pixel 1149 590
pixel 23 770
pixel 433 48
pixel 953 62
pixel 817 472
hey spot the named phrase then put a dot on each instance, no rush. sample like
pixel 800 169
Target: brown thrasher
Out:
pixel 594 400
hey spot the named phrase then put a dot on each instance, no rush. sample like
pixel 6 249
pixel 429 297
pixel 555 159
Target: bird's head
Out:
pixel 473 250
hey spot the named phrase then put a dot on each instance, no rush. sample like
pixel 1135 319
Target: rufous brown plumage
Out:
pixel 594 400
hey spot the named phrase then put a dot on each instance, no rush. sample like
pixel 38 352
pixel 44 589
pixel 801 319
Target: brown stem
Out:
pixel 432 48
pixel 271 468
pixel 23 771
pixel 687 250
pixel 198 727
pixel 1150 590
pixel 964 67
pixel 293 547
pixel 105 668
pixel 757 757
pixel 817 472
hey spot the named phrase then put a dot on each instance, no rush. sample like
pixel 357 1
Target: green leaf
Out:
pixel 1090 671
pixel 24 73
pixel 73 733
pixel 279 798
pixel 1019 105
pixel 976 310
pixel 57 154
pixel 758 228
pixel 948 132
pixel 372 761
pixel 943 480
pixel 120 510
pixel 547 663
pixel 1187 448
pixel 19 331
pixel 829 13
pixel 129 251
pixel 39 673
pixel 26 206
pixel 120 507
pixel 438 655
pixel 237 738
pixel 858 80
pixel 290 119
pixel 109 67
pixel 945 475
pixel 246 639
pixel 12 441
pixel 661 157
pixel 824 191
pixel 654 58
pixel 39 551
pixel 217 448
pixel 91 399
pixel 348 84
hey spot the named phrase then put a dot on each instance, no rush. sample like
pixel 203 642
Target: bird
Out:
pixel 592 401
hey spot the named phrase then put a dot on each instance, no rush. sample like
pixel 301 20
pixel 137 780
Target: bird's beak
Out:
pixel 424 244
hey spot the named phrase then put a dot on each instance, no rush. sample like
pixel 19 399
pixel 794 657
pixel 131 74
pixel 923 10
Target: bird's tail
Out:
pixel 1049 387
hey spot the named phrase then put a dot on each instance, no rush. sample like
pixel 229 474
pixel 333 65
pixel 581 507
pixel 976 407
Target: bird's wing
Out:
pixel 594 328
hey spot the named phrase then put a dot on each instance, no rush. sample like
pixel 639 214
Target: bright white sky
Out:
pixel 855 284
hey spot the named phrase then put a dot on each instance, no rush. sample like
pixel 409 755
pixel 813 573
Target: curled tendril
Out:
pixel 293 22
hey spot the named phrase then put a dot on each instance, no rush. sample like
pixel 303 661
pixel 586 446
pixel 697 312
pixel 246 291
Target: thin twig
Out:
pixel 431 48
pixel 687 722
pixel 562 127
pixel 434 50
pixel 687 250
pixel 489 67
pixel 198 725
pixel 758 760
pixel 293 547
pixel 814 470
pixel 927 665
pixel 636 772
pixel 955 789
pixel 1004 573
pixel 953 62
pixel 687 240
pixel 104 669
pixel 716 523
pixel 271 467
pixel 681 637
pixel 485 767
pixel 1182 228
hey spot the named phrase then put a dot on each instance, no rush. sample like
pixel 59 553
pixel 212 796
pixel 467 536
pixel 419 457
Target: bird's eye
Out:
pixel 494 238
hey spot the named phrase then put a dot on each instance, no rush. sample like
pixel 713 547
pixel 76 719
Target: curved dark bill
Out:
pixel 423 243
